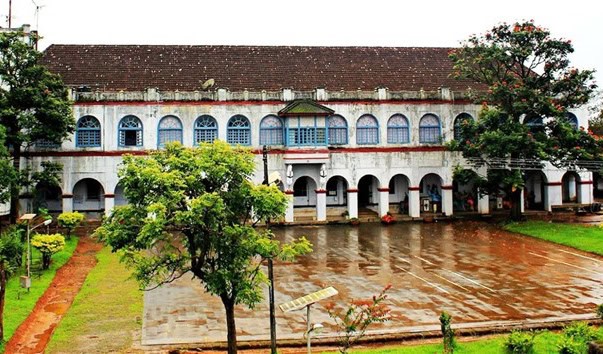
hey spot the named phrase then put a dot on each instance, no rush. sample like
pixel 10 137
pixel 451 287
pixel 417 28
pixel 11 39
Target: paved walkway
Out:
pixel 33 334
pixel 481 275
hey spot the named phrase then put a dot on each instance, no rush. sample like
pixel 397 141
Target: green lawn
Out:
pixel 545 343
pixel 19 302
pixel 105 313
pixel 583 237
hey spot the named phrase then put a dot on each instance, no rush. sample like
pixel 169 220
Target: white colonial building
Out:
pixel 349 129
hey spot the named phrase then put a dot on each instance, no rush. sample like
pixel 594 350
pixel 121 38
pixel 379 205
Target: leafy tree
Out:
pixel 190 211
pixel 7 177
pixel 525 76
pixel 48 245
pixel 11 251
pixel 34 103
pixel 70 220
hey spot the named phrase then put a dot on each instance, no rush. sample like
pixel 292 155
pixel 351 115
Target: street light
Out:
pixel 26 281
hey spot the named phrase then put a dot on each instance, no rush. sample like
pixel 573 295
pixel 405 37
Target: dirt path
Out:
pixel 33 334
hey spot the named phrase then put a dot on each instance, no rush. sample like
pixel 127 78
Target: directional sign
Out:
pixel 309 299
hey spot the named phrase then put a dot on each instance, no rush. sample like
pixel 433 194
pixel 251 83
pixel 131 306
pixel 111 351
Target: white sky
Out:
pixel 440 23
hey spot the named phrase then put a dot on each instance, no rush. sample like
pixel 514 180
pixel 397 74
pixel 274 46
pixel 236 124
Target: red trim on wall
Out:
pixel 383 189
pixel 447 187
pixel 585 182
pixel 553 184
pixel 109 195
pixel 321 191
pixel 414 188
pixel 352 190
pixel 75 153
pixel 84 153
pixel 288 191
pixel 257 103
pixel 66 196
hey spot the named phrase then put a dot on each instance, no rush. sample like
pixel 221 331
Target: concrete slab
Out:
pixel 478 273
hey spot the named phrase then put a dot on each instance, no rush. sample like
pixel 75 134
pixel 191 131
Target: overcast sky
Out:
pixel 307 22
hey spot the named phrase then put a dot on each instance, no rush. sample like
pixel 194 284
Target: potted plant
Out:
pixel 354 221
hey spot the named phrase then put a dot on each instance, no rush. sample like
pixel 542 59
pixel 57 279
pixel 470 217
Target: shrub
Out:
pixel 576 337
pixel 447 332
pixel 48 245
pixel 70 221
pixel 520 342
pixel 600 311
pixel 357 317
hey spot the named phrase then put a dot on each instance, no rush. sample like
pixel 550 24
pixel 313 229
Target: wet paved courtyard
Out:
pixel 475 271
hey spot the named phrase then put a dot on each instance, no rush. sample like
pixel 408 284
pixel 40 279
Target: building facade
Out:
pixel 348 129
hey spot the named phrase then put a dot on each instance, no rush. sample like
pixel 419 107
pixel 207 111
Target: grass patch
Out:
pixel 583 237
pixel 19 302
pixel 105 313
pixel 545 343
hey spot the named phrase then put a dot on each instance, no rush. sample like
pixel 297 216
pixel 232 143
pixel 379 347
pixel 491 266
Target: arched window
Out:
pixel 534 123
pixel 130 131
pixel 271 131
pixel 367 130
pixel 206 130
pixel 458 124
pixel 88 132
pixel 169 130
pixel 397 130
pixel 239 130
pixel 572 120
pixel 429 129
pixel 338 130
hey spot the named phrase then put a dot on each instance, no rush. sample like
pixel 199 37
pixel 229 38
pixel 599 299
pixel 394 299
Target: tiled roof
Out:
pixel 186 68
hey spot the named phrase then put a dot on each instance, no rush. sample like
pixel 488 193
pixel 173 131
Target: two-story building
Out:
pixel 348 128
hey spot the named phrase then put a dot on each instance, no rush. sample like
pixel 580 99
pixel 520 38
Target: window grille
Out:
pixel 398 130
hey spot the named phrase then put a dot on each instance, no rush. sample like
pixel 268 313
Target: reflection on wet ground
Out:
pixel 475 271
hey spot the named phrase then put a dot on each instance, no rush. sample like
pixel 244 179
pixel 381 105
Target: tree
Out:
pixel 70 220
pixel 48 245
pixel 34 103
pixel 190 211
pixel 526 87
pixel 11 251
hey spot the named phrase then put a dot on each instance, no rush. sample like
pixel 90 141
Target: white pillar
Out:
pixel 353 203
pixel 109 203
pixel 321 205
pixel 67 203
pixel 521 201
pixel 289 217
pixel 383 201
pixel 585 192
pixel 571 189
pixel 483 204
pixel 414 201
pixel 447 207
pixel 553 195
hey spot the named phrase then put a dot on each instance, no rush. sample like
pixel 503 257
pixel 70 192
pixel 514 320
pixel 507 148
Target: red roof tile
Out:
pixel 186 68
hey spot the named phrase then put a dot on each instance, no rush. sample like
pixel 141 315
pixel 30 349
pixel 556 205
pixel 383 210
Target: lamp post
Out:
pixel 270 267
pixel 26 282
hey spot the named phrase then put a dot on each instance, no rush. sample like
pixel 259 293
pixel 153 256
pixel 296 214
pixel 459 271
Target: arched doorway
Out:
pixel 597 186
pixel 431 193
pixel 570 187
pixel 367 191
pixel 120 197
pixel 534 190
pixel 48 197
pixel 337 194
pixel 398 193
pixel 464 192
pixel 304 192
pixel 337 198
pixel 88 196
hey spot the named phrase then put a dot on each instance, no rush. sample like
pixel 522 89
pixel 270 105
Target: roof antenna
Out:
pixel 37 15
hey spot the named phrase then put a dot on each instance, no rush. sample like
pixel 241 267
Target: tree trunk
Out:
pixel 15 188
pixel 230 323
pixel 3 278
pixel 516 201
